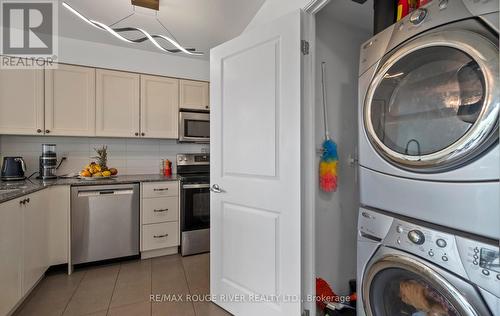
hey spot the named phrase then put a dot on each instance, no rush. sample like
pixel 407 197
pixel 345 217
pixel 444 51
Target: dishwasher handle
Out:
pixel 105 192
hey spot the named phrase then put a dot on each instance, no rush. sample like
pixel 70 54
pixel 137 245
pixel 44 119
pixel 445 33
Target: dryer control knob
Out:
pixel 416 236
pixel 418 16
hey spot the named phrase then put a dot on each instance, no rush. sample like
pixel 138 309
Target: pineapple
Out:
pixel 102 157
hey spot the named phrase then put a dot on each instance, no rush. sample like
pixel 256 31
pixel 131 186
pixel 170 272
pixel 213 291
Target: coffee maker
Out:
pixel 48 162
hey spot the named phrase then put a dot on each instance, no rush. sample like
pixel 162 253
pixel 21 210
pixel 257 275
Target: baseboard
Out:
pixel 159 252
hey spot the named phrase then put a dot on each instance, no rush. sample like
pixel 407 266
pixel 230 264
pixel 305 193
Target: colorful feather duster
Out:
pixel 329 158
pixel 328 166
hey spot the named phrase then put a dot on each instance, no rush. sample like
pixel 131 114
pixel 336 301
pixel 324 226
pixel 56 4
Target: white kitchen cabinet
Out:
pixel 194 95
pixel 11 247
pixel 117 103
pixel 58 227
pixel 160 229
pixel 21 101
pixel 33 236
pixel 35 239
pixel 160 210
pixel 160 189
pixel 160 235
pixel 70 101
pixel 159 107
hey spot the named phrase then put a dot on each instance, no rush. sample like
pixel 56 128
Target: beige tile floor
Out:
pixel 124 289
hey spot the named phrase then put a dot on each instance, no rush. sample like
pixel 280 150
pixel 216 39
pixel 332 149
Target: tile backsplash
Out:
pixel 129 156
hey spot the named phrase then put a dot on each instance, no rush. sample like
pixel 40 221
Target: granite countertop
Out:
pixel 10 190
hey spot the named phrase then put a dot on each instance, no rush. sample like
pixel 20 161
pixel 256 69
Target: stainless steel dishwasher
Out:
pixel 104 222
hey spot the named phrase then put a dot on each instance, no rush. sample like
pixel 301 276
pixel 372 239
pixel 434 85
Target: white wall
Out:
pixel 338 45
pixel 272 9
pixel 94 54
pixel 129 156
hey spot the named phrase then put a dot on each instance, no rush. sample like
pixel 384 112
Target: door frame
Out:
pixel 309 174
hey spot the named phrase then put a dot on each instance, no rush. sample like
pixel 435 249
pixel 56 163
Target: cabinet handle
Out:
pixel 47 131
pixel 38 131
pixel 159 190
pixel 136 134
pixel 22 202
pixel 27 200
pixel 207 107
pixel 143 134
pixel 160 236
pixel 161 210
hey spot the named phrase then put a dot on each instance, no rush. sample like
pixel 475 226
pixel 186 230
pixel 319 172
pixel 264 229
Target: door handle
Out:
pixel 216 189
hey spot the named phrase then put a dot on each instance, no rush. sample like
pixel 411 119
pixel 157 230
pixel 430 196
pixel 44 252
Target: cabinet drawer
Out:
pixel 165 209
pixel 157 189
pixel 157 236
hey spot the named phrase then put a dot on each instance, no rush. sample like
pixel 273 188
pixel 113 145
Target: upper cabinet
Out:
pixel 21 102
pixel 159 107
pixel 85 101
pixel 194 95
pixel 117 103
pixel 70 101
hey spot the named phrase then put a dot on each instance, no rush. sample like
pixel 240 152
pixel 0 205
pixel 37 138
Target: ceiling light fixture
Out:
pixel 151 37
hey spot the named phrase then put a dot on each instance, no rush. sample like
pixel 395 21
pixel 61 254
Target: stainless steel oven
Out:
pixel 194 127
pixel 194 171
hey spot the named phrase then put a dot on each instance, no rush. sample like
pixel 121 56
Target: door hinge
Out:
pixel 304 47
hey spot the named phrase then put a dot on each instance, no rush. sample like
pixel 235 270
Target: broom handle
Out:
pixel 323 90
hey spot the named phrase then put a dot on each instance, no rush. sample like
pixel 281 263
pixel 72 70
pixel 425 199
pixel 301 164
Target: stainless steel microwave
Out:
pixel 194 127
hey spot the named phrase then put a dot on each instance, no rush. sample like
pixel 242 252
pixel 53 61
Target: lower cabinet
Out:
pixel 35 239
pixel 33 236
pixel 59 208
pixel 159 219
pixel 161 235
pixel 11 254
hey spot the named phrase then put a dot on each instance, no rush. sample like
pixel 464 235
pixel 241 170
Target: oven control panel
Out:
pixel 193 159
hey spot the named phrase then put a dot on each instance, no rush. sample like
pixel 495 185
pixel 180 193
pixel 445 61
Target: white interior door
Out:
pixel 255 146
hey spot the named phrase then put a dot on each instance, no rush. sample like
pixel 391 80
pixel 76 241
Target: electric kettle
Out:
pixel 13 168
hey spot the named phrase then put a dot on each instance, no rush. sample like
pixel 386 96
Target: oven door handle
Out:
pixel 196 186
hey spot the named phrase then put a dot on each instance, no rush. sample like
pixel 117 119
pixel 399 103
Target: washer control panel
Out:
pixel 474 260
pixel 437 247
pixel 482 263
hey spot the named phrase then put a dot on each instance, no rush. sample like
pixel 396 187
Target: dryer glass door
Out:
pixel 434 101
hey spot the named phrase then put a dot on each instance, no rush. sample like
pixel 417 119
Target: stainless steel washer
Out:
pixel 407 267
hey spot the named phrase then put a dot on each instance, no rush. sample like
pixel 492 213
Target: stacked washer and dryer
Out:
pixel 429 224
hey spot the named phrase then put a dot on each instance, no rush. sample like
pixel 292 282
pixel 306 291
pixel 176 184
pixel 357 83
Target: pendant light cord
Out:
pixel 123 19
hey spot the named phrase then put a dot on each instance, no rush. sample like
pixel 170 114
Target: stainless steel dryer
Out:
pixel 429 103
pixel 417 269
